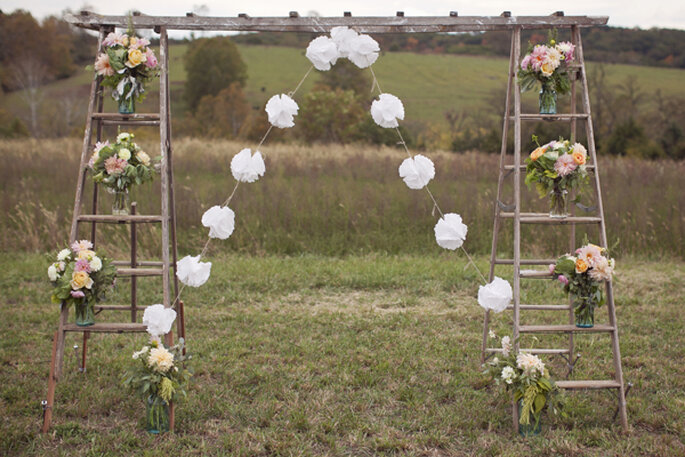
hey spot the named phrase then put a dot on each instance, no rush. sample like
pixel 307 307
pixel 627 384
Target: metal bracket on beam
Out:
pixel 400 14
pixel 506 14
pixel 243 15
pixel 294 14
pixel 506 208
pixel 191 14
pixel 347 14
pixel 454 14
pixel 558 14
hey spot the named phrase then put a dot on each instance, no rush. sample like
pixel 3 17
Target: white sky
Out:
pixel 624 13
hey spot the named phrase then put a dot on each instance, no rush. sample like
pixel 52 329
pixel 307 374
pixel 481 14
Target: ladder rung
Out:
pixel 140 263
pixel 550 117
pixel 590 384
pixel 118 307
pixel 107 327
pixel 532 350
pixel 523 167
pixel 543 218
pixel 525 261
pixel 112 219
pixel 542 307
pixel 536 274
pixel 140 271
pixel 132 118
pixel 565 329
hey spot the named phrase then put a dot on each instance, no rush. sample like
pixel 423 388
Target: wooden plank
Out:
pixel 532 351
pixel 164 149
pixel 102 327
pixel 119 219
pixel 131 122
pixel 525 261
pixel 543 307
pixel 543 218
pixel 140 271
pixel 523 167
pixel 588 384
pixel 599 328
pixel 139 263
pixel 535 274
pixel 390 24
pixel 551 117
pixel 126 117
pixel 117 307
pixel 52 383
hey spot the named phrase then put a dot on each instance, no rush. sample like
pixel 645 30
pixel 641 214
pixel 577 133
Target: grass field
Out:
pixel 428 85
pixel 356 356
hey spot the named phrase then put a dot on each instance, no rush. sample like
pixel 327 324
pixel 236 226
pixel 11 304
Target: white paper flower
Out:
pixel 220 220
pixel 191 272
pixel 496 295
pixel 450 231
pixel 363 51
pixel 246 167
pixel 158 319
pixel 386 110
pixel 417 171
pixel 281 110
pixel 322 52
pixel 343 37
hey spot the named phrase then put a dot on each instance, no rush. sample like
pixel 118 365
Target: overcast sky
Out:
pixel 624 13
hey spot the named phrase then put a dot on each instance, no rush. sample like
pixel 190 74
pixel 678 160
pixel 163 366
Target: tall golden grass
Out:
pixel 330 199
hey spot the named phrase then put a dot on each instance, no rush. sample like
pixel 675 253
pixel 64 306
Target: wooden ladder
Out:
pixel 129 268
pixel 513 212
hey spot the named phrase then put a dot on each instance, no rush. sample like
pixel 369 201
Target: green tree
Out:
pixel 345 75
pixel 330 116
pixel 212 64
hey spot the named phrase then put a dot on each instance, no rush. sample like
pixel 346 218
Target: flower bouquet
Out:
pixel 119 166
pixel 582 276
pixel 159 378
pixel 548 64
pixel 126 64
pixel 82 277
pixel 526 375
pixel 556 168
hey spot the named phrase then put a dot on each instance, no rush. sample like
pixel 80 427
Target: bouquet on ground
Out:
pixel 582 275
pixel 81 277
pixel 556 168
pixel 126 64
pixel 547 64
pixel 119 166
pixel 159 377
pixel 526 375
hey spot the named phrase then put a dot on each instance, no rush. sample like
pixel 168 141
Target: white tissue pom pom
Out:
pixel 220 220
pixel 158 319
pixel 386 110
pixel 450 231
pixel 281 110
pixel 246 167
pixel 364 51
pixel 322 52
pixel 191 272
pixel 343 37
pixel 496 295
pixel 417 171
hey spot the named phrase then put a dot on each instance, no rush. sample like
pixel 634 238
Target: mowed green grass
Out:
pixel 354 356
pixel 429 85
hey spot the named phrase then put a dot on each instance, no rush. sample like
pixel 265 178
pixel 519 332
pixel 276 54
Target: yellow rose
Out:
pixel 135 58
pixel 143 158
pixel 132 41
pixel 535 155
pixel 548 68
pixel 579 158
pixel 80 279
pixel 86 254
pixel 581 266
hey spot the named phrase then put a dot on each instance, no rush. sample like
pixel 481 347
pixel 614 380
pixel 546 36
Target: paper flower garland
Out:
pixel 496 295
pixel 220 220
pixel 386 110
pixel 246 167
pixel 343 37
pixel 191 272
pixel 158 319
pixel 363 51
pixel 322 52
pixel 281 110
pixel 417 171
pixel 450 231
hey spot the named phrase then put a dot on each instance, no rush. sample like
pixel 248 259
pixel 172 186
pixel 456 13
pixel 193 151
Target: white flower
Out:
pixel 322 53
pixel 61 266
pixel 491 334
pixel 506 346
pixel 124 154
pixel 495 360
pixel 158 319
pixel 144 158
pixel 136 355
pixel 95 264
pixel 191 272
pixel 52 273
pixel 220 220
pixel 160 359
pixel 417 171
pixel 363 51
pixel 281 110
pixel 496 295
pixel 508 374
pixel 123 137
pixel 530 363
pixel 450 231
pixel 246 167
pixel 343 37
pixel 386 110
pixel 602 269
pixel 63 254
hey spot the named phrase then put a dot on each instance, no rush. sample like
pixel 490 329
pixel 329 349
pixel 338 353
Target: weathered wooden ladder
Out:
pixel 514 213
pixel 128 268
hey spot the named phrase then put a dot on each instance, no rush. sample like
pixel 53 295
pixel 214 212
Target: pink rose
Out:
pixel 526 62
pixel 563 280
pixel 77 294
pixel 552 267
pixel 151 61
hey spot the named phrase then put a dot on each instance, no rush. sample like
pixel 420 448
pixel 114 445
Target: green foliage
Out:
pixel 331 116
pixel 223 115
pixel 212 64
pixel 346 76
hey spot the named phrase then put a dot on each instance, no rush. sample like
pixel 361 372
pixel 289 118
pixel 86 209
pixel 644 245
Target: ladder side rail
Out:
pixel 164 147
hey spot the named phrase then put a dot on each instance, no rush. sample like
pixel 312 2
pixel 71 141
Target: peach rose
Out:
pixel 579 153
pixel 535 155
pixel 86 254
pixel 581 266
pixel 135 58
pixel 80 279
